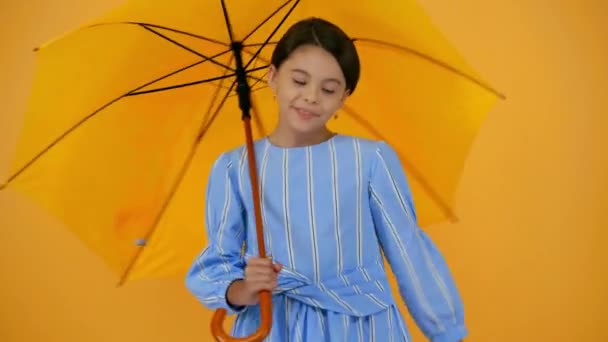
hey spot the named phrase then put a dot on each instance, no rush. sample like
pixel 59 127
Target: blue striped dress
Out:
pixel 330 212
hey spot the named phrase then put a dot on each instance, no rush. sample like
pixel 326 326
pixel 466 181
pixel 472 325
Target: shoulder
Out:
pixel 234 156
pixel 233 161
pixel 368 154
pixel 369 149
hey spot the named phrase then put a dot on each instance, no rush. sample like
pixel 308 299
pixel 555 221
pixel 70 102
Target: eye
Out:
pixel 299 82
pixel 329 91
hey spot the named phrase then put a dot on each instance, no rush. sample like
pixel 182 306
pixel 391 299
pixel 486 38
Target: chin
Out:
pixel 306 127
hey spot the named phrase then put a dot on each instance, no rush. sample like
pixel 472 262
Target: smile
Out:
pixel 305 114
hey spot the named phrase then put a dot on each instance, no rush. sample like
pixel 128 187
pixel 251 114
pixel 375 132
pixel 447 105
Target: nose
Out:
pixel 311 95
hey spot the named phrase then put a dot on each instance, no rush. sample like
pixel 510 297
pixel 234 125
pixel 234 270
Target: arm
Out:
pixel 221 262
pixel 422 274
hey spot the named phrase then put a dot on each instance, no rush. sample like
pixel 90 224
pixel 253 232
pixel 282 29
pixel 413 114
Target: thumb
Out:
pixel 277 267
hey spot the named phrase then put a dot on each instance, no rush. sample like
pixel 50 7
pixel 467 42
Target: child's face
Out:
pixel 309 88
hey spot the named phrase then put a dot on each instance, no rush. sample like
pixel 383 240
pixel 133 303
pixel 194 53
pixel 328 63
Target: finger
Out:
pixel 260 270
pixel 261 278
pixel 271 285
pixel 257 287
pixel 277 267
pixel 260 262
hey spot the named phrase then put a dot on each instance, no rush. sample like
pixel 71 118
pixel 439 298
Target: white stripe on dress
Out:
pixel 336 201
pixel 312 217
pixel 267 231
pixel 286 209
pixel 359 212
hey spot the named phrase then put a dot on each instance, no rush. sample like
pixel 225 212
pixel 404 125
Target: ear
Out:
pixel 272 78
pixel 344 97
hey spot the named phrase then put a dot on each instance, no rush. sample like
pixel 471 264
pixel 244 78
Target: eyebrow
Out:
pixel 307 74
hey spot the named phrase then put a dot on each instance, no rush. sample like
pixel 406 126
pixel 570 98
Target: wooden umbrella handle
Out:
pixel 263 330
pixel 217 323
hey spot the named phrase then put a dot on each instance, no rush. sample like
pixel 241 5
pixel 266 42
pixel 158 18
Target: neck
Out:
pixel 284 138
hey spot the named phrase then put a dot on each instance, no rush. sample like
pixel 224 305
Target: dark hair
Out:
pixel 322 33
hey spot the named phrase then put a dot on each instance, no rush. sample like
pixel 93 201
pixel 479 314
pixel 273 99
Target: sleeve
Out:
pixel 221 262
pixel 423 278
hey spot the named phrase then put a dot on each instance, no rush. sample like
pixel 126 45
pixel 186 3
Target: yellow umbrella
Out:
pixel 128 112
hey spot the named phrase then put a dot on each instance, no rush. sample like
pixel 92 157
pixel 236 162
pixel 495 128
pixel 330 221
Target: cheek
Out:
pixel 332 106
pixel 284 103
pixel 286 97
pixel 284 100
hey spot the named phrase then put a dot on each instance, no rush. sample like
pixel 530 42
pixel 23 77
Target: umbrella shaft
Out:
pixel 253 176
pixel 242 87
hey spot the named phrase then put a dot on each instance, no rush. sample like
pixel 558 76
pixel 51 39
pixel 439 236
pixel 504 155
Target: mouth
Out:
pixel 306 114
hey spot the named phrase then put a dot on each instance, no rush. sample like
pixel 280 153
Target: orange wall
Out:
pixel 526 254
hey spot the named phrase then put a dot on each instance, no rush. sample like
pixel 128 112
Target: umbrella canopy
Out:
pixel 128 113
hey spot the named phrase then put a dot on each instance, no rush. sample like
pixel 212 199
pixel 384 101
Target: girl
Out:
pixel 332 206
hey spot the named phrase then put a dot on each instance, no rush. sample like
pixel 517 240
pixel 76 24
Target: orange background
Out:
pixel 526 254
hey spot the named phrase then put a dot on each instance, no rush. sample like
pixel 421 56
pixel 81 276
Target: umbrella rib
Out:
pixel 138 23
pixel 259 44
pixel 266 20
pixel 175 186
pixel 215 113
pixel 258 79
pixel 259 68
pixel 272 33
pixel 187 48
pixel 217 92
pixel 94 113
pixel 433 61
pixel 227 21
pixel 218 78
pixel 181 85
pixel 414 172
pixel 253 90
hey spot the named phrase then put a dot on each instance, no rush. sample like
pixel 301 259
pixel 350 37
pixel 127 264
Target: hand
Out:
pixel 260 274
